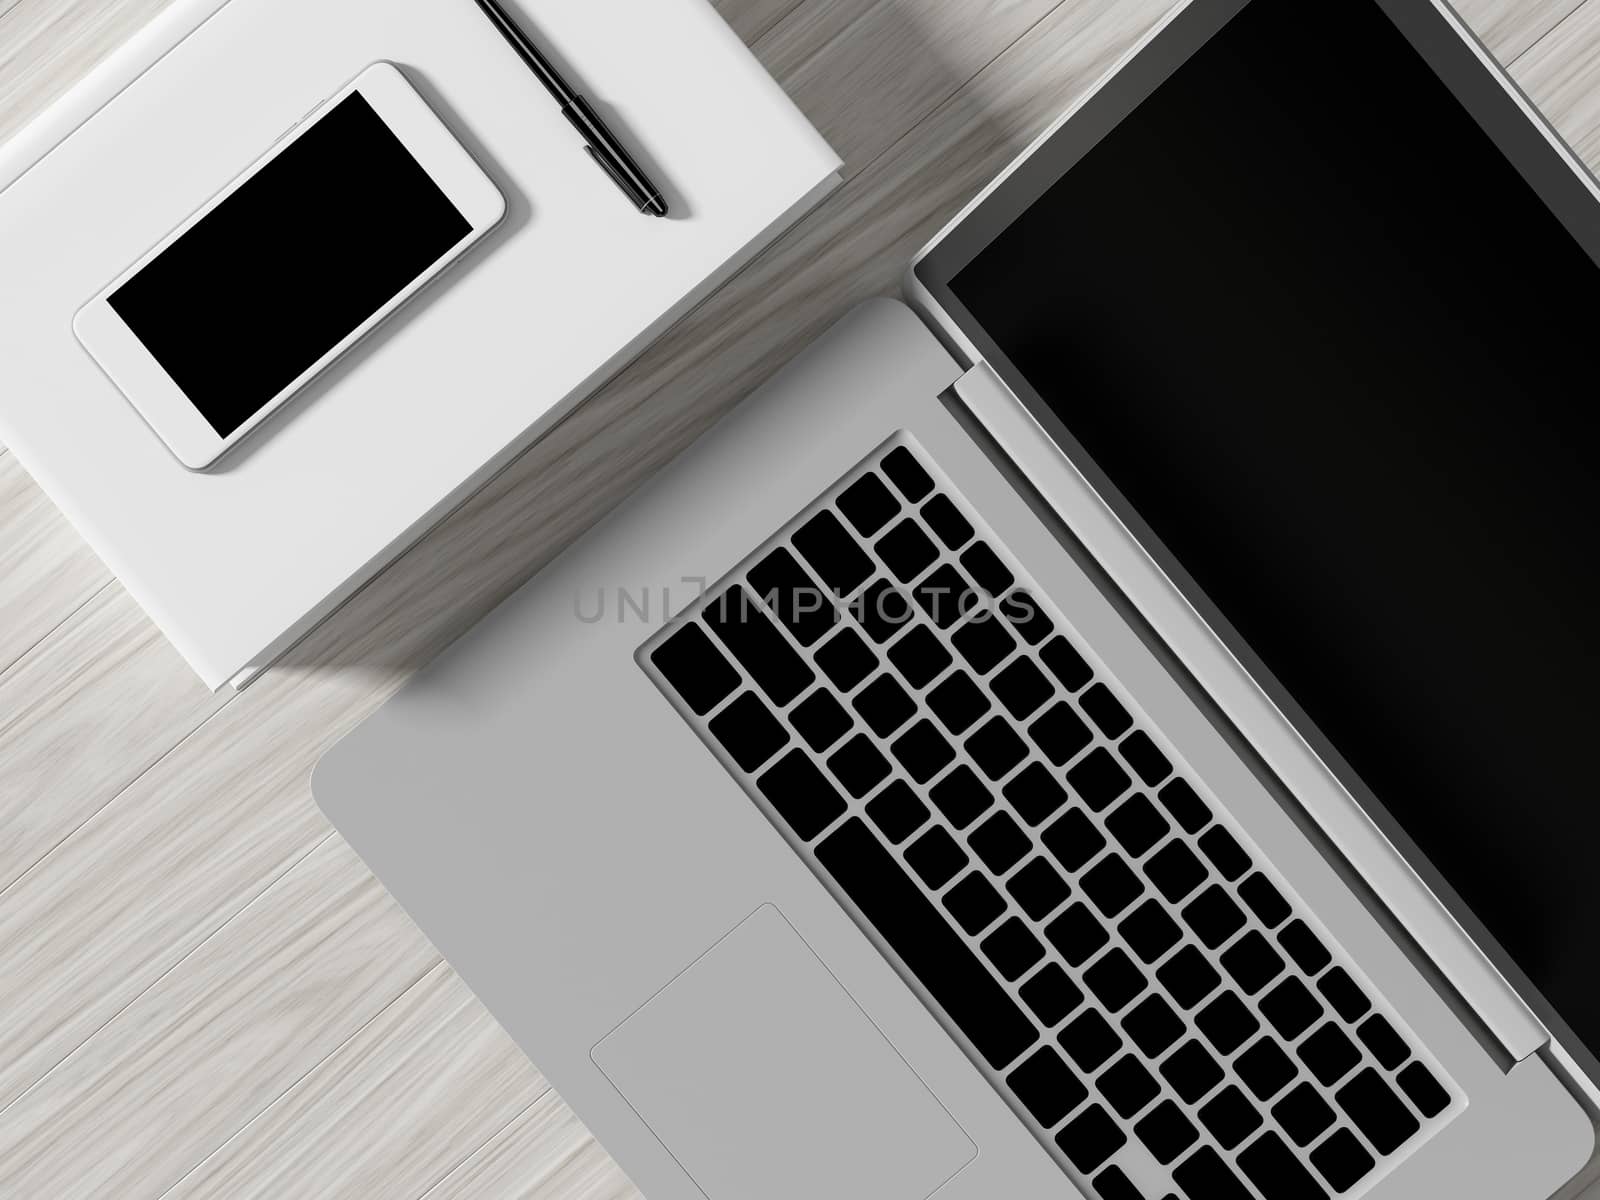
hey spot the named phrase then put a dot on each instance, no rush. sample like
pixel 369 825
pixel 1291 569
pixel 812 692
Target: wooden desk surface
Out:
pixel 202 990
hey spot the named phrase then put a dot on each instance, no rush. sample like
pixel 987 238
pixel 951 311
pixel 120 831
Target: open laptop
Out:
pixel 1123 729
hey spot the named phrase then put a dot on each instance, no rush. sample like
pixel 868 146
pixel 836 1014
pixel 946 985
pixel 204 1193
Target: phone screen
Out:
pixel 289 264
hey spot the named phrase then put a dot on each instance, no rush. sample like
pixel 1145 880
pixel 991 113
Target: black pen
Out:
pixel 599 142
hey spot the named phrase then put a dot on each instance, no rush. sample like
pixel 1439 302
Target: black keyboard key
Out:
pixel 1252 962
pixel 1127 1086
pixel 1022 688
pixel 1344 995
pixel 1181 800
pixel 907 551
pixel 754 640
pixel 945 596
pixel 922 751
pixel 859 765
pixel 945 519
pixel 919 657
pixel 749 732
pixel 1191 1071
pixel 1111 885
pixel 984 642
pixel 1188 977
pixel 1106 711
pixel 1269 1164
pixel 1291 1008
pixel 1378 1113
pixel 1027 616
pixel 804 607
pixel 1046 1086
pixel 1000 843
pixel 1423 1090
pixel 897 811
pixel 1305 947
pixel 1204 1176
pixel 801 794
pixel 1051 995
pixel 1225 853
pixel 1226 1022
pixel 1149 931
pixel 936 857
pixel 834 555
pixel 1114 1184
pixel 1230 1116
pixel 1137 825
pixel 1073 839
pixel 1266 901
pixel 1060 733
pixel 1342 1160
pixel 958 702
pixel 1012 949
pixel 1038 889
pixel 1166 1132
pixel 884 705
pixel 1304 1114
pixel 1329 1054
pixel 846 660
pixel 974 903
pixel 1265 1069
pixel 1098 778
pixel 961 796
pixel 1176 871
pixel 985 567
pixel 820 720
pixel 1066 664
pixel 1076 935
pixel 1386 1045
pixel 1089 1041
pixel 933 952
pixel 1090 1138
pixel 996 748
pixel 696 669
pixel 868 504
pixel 907 474
pixel 1152 1026
pixel 1213 916
pixel 1139 751
pixel 1034 794
pixel 882 609
pixel 1114 979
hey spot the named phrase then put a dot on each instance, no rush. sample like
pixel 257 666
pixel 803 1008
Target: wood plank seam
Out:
pixel 112 799
pixel 1547 34
pixel 378 1015
pixel 133 1000
pixel 35 646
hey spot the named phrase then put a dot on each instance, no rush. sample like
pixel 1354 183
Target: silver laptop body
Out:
pixel 873 896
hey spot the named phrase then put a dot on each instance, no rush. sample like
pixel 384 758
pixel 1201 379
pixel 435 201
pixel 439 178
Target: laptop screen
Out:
pixel 1335 352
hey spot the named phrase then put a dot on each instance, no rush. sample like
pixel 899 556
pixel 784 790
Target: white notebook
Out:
pixel 235 565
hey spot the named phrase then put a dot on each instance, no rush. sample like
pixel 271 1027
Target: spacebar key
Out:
pixel 925 942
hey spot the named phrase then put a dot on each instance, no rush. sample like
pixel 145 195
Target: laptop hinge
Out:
pixel 1393 889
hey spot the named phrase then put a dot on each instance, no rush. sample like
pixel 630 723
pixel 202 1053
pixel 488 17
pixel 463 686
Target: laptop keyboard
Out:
pixel 936 743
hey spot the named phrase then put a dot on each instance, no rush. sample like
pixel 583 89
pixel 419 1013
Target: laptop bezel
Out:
pixel 1515 126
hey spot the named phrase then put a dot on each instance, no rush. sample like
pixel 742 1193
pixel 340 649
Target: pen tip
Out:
pixel 657 207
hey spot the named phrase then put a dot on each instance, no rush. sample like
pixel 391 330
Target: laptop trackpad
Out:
pixel 762 1077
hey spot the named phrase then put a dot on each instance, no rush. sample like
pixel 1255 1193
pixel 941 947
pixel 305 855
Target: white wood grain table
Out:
pixel 202 990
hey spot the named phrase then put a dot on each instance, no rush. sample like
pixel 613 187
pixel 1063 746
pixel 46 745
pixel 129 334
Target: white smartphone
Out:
pixel 348 215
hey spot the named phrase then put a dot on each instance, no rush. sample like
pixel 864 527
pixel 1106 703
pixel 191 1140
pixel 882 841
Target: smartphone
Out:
pixel 350 214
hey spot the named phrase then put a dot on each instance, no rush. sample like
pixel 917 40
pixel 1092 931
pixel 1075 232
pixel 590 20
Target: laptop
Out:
pixel 1119 724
